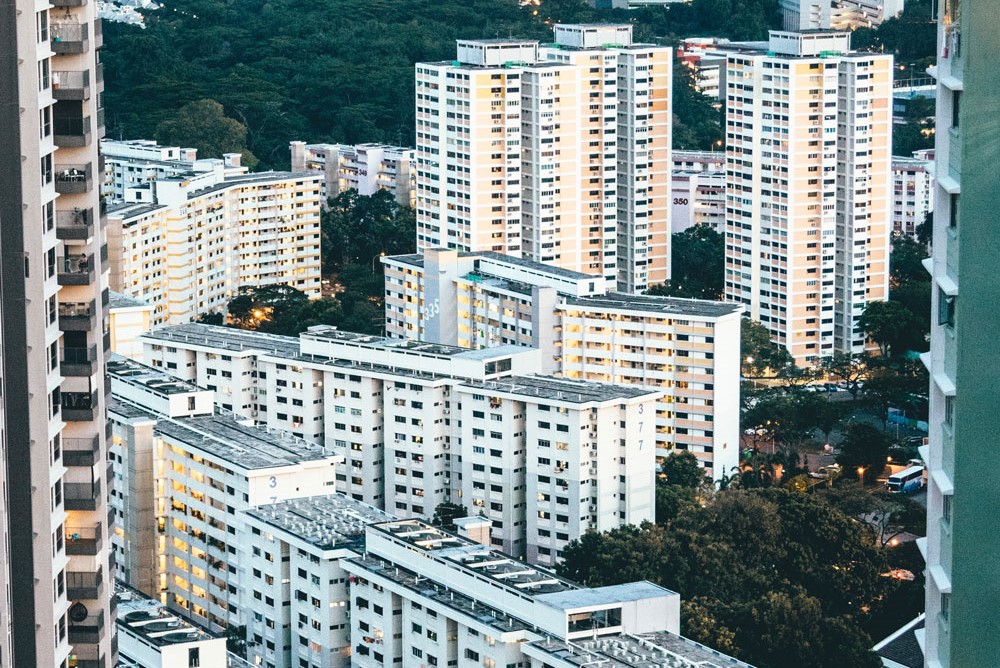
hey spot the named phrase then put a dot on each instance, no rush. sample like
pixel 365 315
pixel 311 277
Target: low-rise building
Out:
pixel 367 168
pixel 131 164
pixel 698 197
pixel 128 319
pixel 687 349
pixel 913 193
pixel 294 591
pixel 419 424
pixel 150 636
pixel 187 242
pixel 185 472
pixel 423 596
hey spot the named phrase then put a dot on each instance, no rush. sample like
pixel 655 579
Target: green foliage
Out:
pixel 760 357
pixel 911 37
pixel 683 469
pixel 357 229
pixel 203 125
pixel 446 513
pixel 916 132
pixel 281 309
pixel 863 446
pixel 890 325
pixel 900 383
pixel 698 259
pixel 776 578
pixel 697 124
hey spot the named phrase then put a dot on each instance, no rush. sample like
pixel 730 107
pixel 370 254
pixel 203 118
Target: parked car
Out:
pixel 824 472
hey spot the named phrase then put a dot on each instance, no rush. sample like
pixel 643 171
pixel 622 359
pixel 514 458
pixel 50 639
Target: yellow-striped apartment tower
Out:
pixel 808 188
pixel 558 153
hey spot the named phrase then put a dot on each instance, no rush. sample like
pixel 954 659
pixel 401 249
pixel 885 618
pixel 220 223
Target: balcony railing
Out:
pixel 71 179
pixel 71 85
pixel 84 585
pixel 81 451
pixel 77 224
pixel 79 407
pixel 88 632
pixel 72 131
pixel 77 316
pixel 81 495
pixel 78 361
pixel 85 541
pixel 76 270
pixel 70 37
pixel 88 663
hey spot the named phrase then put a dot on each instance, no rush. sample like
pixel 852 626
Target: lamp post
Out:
pixel 861 476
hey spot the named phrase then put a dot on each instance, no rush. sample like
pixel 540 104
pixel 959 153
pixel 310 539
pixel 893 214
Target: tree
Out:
pixel 697 121
pixel 697 270
pixel 761 358
pixel 281 309
pixel 889 324
pixel 236 640
pixel 683 469
pixel 446 513
pixel 864 448
pixel 901 384
pixel 203 125
pixel 849 368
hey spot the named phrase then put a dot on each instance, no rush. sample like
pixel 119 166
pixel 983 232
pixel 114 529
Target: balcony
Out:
pixel 81 495
pixel 77 316
pixel 77 224
pixel 84 585
pixel 76 270
pixel 70 37
pixel 69 3
pixel 79 407
pixel 81 451
pixel 72 179
pixel 78 361
pixel 71 85
pixel 90 631
pixel 88 663
pixel 72 131
pixel 98 33
pixel 85 541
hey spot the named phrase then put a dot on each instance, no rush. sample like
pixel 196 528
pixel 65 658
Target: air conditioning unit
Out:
pixel 593 509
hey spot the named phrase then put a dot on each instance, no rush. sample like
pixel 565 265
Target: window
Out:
pixel 945 606
pixel 953 212
pixel 194 657
pixel 949 410
pixel 946 309
pixel 946 508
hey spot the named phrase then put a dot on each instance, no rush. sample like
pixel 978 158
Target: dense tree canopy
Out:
pixel 203 125
pixel 697 265
pixel 775 577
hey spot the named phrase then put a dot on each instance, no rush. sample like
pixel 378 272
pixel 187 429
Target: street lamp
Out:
pixel 861 476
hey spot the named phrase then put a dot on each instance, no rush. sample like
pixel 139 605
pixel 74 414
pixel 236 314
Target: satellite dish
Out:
pixel 78 613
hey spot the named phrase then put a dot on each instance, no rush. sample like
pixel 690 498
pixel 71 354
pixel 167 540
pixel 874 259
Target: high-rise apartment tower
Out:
pixel 55 610
pixel 963 537
pixel 808 188
pixel 558 153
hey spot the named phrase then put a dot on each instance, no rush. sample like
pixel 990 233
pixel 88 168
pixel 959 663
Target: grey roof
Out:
pixel 649 303
pixel 536 266
pixel 129 411
pixel 328 521
pixel 562 389
pixel 249 448
pixel 409 345
pixel 118 300
pixel 227 338
pixel 643 650
pixel 255 177
pixel 132 210
pixel 158 382
pixel 903 646
pixel 147 619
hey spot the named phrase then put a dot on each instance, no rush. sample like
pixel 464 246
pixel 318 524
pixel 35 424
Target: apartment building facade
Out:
pixel 55 603
pixel 558 153
pixel 367 168
pixel 186 473
pixel 420 424
pixel 131 164
pixel 962 535
pixel 421 595
pixel 687 349
pixel 809 189
pixel 913 193
pixel 698 197
pixel 295 591
pixel 187 243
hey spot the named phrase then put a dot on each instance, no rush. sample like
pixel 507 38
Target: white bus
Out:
pixel 908 480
